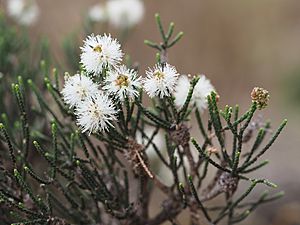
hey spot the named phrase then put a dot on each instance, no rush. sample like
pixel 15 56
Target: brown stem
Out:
pixel 171 208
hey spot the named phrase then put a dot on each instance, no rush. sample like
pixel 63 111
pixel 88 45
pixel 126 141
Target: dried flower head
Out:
pixel 99 52
pixel 261 97
pixel 125 13
pixel 228 183
pixel 95 114
pixel 122 82
pixel 77 88
pixel 202 89
pixel 135 154
pixel 160 80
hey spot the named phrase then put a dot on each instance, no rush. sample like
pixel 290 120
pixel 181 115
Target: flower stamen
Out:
pixel 97 48
pixel 122 80
pixel 159 75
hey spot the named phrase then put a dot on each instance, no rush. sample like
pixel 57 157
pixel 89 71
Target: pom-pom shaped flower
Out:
pixel 160 80
pixel 202 89
pixel 97 13
pixel 261 97
pixel 25 12
pixel 95 114
pixel 100 51
pixel 122 82
pixel 124 13
pixel 77 88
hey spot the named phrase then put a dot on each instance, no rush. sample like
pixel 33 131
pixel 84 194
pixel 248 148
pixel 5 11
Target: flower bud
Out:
pixel 260 96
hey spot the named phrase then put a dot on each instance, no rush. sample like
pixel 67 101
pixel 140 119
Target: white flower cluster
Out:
pixel 119 13
pixel 94 103
pixel 94 110
pixel 25 12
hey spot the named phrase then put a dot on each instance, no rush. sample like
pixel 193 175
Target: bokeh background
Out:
pixel 238 45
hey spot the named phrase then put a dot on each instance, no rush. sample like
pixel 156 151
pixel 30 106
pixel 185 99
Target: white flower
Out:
pixel 125 13
pixel 25 12
pixel 97 13
pixel 15 7
pixel 158 140
pixel 181 90
pixel 202 89
pixel 160 80
pixel 77 88
pixel 100 51
pixel 95 114
pixel 122 82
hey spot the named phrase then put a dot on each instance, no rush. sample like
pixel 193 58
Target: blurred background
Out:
pixel 238 45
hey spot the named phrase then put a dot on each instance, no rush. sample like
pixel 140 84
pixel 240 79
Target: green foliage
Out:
pixel 53 174
pixel 18 57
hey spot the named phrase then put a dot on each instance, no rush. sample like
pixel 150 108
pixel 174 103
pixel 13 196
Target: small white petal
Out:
pixel 160 81
pixel 95 114
pixel 77 88
pixel 122 82
pixel 100 51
